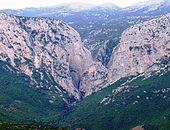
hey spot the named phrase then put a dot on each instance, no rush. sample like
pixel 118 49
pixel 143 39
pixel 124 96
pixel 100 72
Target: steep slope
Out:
pixel 21 102
pixel 143 48
pixel 144 102
pixel 110 6
pixel 46 54
pixel 150 7
pixel 49 51
pixel 54 52
pixel 100 27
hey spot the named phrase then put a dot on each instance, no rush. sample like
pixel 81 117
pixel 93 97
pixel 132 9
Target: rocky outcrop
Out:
pixel 138 128
pixel 94 78
pixel 50 52
pixel 143 48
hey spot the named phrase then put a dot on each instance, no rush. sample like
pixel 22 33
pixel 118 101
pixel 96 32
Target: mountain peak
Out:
pixel 80 5
pixel 109 5
pixel 150 3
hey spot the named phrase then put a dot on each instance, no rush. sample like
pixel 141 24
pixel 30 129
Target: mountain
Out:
pixel 50 76
pixel 152 7
pixel 99 27
pixel 66 8
pixel 141 101
pixel 109 6
pixel 50 51
pixel 53 50
pixel 143 48
pixel 22 102
pixel 80 6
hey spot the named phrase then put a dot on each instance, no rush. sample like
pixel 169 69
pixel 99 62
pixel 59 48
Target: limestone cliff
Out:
pixel 47 50
pixel 143 48
pixel 51 53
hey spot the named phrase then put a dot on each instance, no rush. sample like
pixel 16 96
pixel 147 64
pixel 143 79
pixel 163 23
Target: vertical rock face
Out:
pixel 46 49
pixel 94 78
pixel 51 53
pixel 144 47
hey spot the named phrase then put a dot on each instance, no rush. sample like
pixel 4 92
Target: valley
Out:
pixel 94 68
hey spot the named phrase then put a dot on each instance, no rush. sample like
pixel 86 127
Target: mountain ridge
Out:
pixel 99 28
pixel 145 45
pixel 56 51
pixel 48 76
pixel 39 46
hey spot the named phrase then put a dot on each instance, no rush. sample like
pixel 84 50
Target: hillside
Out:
pixel 21 102
pixel 100 27
pixel 13 126
pixel 51 53
pixel 111 74
pixel 144 101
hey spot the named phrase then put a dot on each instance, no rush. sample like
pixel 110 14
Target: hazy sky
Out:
pixel 18 4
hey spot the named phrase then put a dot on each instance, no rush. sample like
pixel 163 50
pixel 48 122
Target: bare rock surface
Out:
pixel 52 54
pixel 50 48
pixel 143 48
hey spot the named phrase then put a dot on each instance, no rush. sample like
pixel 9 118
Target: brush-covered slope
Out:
pixel 14 126
pixel 124 106
pixel 130 100
pixel 43 64
pixel 22 102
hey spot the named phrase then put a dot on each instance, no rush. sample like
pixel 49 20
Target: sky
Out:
pixel 19 4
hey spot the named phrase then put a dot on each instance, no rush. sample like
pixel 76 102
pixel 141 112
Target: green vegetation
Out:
pixel 21 102
pixel 12 126
pixel 146 101
pixel 143 104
